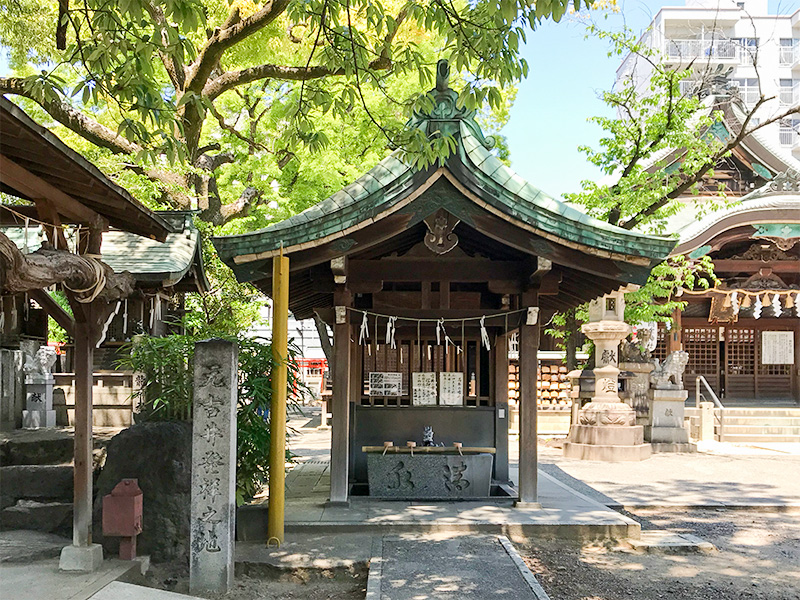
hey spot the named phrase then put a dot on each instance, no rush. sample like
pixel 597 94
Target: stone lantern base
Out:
pixel 607 431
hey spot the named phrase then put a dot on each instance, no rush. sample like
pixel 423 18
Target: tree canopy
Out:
pixel 218 103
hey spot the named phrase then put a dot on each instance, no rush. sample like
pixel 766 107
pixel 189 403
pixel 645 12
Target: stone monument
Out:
pixel 606 428
pixel 39 389
pixel 213 504
pixel 666 398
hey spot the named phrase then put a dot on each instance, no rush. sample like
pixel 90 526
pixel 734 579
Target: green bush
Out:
pixel 165 394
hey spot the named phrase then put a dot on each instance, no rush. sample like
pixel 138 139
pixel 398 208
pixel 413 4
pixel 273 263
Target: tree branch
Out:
pixel 72 118
pixel 25 272
pixel 232 79
pixel 172 64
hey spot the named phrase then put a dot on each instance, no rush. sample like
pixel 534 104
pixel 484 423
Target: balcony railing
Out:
pixel 692 49
pixel 788 55
pixel 788 136
pixel 789 96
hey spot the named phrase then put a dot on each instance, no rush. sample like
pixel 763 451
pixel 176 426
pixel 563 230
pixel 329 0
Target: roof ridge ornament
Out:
pixel 445 114
pixel 785 183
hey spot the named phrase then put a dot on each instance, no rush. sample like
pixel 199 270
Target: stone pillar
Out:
pixel 39 389
pixel 12 392
pixel 706 421
pixel 213 502
pixel 606 428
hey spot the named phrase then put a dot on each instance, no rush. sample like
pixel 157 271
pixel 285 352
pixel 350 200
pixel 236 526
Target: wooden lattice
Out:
pixel 740 351
pixel 702 344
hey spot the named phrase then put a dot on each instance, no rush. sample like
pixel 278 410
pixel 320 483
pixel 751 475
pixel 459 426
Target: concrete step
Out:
pixel 37 516
pixel 44 483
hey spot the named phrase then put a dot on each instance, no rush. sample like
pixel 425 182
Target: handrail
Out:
pixel 711 393
pixel 716 401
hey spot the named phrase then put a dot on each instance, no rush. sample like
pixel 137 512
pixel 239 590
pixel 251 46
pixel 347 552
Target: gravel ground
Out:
pixel 758 559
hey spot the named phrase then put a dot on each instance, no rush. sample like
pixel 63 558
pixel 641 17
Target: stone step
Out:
pixel 751 412
pixel 670 542
pixel 753 438
pixel 766 421
pixel 757 430
pixel 45 483
pixel 37 516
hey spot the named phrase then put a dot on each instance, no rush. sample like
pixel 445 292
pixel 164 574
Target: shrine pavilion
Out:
pixel 742 335
pixel 429 271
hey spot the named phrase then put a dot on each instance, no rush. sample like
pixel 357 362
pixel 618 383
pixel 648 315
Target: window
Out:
pixel 748 50
pixel 787 95
pixel 748 89
pixel 788 131
pixel 788 48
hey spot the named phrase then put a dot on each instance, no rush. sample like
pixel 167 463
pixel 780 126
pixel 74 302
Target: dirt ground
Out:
pixel 758 558
pixel 265 585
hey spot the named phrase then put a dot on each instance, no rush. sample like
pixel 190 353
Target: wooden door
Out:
pixel 702 344
pixel 740 362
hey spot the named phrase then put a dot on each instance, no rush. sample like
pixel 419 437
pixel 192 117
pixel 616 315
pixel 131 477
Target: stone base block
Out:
pixel 606 435
pixel 429 475
pixel 666 435
pixel 35 419
pixel 671 447
pixel 607 453
pixel 84 559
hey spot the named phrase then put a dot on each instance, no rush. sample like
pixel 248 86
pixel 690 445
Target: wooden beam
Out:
pixel 730 265
pixel 435 269
pixel 53 309
pixel 34 187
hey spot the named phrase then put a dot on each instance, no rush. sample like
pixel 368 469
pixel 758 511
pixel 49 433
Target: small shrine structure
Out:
pixel 423 274
pixel 59 189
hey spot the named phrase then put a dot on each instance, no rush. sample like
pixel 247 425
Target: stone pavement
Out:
pixel 720 475
pixel 448 567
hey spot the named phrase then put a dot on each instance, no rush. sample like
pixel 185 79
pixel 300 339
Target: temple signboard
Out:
pixel 777 347
pixel 423 389
pixel 385 384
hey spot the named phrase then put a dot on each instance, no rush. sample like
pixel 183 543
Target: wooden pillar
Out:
pixel 500 370
pixel 340 425
pixel 277 421
pixel 82 494
pixel 528 450
pixel 355 389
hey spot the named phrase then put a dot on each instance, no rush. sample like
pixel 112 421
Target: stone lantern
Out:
pixel 606 427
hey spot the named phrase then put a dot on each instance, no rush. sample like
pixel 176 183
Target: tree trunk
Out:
pixel 571 340
pixel 87 278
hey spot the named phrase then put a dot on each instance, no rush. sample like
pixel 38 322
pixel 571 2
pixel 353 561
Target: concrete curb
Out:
pixel 375 570
pixel 722 506
pixel 526 573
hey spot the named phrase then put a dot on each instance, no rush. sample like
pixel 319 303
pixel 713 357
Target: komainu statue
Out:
pixel 670 370
pixel 40 363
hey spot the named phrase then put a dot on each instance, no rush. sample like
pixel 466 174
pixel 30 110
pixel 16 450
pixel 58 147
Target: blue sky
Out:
pixel 549 119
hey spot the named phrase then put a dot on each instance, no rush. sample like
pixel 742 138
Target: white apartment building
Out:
pixel 760 51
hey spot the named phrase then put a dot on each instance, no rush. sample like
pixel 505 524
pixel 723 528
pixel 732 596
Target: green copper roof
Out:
pixel 495 187
pixel 149 261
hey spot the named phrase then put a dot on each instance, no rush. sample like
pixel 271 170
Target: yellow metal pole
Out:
pixel 277 414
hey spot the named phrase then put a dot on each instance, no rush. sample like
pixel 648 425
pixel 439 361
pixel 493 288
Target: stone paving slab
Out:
pixel 670 542
pixel 447 568
pixel 116 590
pixel 309 551
pixel 41 580
pixel 20 546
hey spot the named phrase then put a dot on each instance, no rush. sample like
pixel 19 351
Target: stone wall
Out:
pixel 111 399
